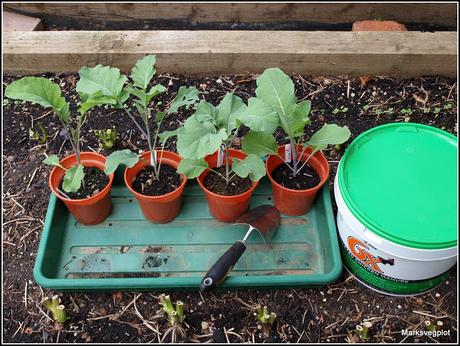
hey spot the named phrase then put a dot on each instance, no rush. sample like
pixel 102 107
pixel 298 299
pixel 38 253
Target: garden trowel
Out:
pixel 265 219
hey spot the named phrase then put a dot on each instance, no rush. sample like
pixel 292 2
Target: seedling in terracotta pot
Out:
pixel 42 91
pixel 141 76
pixel 212 129
pixel 294 166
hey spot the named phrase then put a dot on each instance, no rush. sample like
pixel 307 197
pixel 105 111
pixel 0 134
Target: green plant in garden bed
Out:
pixel 42 91
pixel 141 76
pixel 275 95
pixel 107 137
pixel 212 129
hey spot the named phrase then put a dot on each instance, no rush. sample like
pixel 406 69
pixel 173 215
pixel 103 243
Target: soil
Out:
pixel 327 314
pixel 306 178
pixel 94 182
pixel 146 184
pixel 215 183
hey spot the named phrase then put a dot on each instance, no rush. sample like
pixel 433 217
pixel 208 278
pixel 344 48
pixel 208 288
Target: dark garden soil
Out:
pixel 215 183
pixel 306 178
pixel 94 182
pixel 146 184
pixel 329 314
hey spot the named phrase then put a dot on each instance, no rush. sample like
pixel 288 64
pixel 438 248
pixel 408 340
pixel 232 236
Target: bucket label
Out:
pixel 385 284
pixel 287 153
pixel 361 252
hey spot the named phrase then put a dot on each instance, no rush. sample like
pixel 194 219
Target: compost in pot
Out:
pixel 94 182
pixel 147 184
pixel 305 178
pixel 215 183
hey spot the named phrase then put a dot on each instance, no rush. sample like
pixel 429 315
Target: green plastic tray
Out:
pixel 127 252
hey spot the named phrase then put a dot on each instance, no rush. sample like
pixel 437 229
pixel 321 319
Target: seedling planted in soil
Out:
pixel 265 318
pixel 107 137
pixel 175 316
pixel 42 91
pixel 57 309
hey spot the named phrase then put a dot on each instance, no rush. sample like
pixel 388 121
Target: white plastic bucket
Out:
pixel 406 267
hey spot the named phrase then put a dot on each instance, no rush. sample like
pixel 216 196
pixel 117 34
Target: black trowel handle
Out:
pixel 222 267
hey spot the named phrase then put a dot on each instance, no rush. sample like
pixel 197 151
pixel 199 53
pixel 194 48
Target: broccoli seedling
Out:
pixel 57 309
pixel 429 326
pixel 213 129
pixel 277 104
pixel 41 91
pixel 107 137
pixel 141 76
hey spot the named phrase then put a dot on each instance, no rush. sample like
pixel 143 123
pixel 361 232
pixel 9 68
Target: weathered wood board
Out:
pixel 434 13
pixel 221 52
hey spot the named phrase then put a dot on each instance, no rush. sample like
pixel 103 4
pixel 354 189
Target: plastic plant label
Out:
pixel 153 158
pixel 220 157
pixel 287 153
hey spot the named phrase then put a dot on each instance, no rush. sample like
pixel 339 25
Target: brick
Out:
pixel 378 25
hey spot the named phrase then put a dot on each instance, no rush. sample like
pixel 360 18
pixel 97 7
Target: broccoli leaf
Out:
pixel 143 72
pixel 192 168
pixel 229 110
pixel 125 156
pixel 41 91
pixel 185 97
pixel 259 143
pixel 251 166
pixel 73 178
pixel 327 135
pixel 259 116
pixel 52 160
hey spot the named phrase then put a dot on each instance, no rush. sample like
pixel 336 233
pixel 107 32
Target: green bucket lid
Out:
pixel 400 181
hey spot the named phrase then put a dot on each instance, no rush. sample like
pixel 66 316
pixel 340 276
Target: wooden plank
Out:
pixel 18 22
pixel 221 52
pixel 434 13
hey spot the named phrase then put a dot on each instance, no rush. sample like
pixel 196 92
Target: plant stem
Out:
pixel 308 158
pixel 220 175
pixel 136 123
pixel 227 159
pixel 294 156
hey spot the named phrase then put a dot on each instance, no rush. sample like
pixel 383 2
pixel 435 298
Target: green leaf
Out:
pixel 52 160
pixel 229 110
pixel 41 91
pixel 252 166
pixel 192 168
pixel 125 156
pixel 276 89
pixel 143 72
pixel 103 81
pixel 259 143
pixel 185 97
pixel 206 114
pixel 165 135
pixel 73 178
pixel 93 102
pixel 328 135
pixel 195 140
pixel 259 116
pixel 298 117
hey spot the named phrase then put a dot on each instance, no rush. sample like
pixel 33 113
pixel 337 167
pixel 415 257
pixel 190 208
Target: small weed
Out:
pixel 39 135
pixel 406 111
pixel 107 138
pixel 342 109
pixel 448 106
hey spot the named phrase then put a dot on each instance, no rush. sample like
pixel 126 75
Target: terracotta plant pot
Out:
pixel 159 209
pixel 226 208
pixel 297 202
pixel 88 211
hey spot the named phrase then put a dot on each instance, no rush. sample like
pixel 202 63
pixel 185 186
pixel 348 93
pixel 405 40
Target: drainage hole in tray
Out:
pixel 110 224
pixel 130 200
